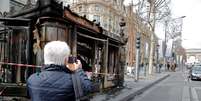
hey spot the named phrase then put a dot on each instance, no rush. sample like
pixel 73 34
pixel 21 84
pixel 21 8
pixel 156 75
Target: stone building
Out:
pixel 11 6
pixel 134 25
pixel 107 13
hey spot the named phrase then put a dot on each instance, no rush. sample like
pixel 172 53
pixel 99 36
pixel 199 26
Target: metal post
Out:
pixel 137 64
pixel 105 62
pixel 164 54
pixel 157 60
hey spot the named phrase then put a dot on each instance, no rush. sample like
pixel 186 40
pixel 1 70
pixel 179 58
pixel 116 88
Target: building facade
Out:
pixel 107 13
pixel 134 26
pixel 11 6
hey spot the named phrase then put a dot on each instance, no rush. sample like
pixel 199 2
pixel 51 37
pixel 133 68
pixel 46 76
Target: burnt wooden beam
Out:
pixel 105 62
pixel 73 39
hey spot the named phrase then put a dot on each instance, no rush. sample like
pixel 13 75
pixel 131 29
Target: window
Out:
pixel 56 33
pixel 34 2
pixel 14 49
pixel 110 23
pixel 112 59
pixel 97 18
pixel 97 7
pixel 80 8
pixel 105 25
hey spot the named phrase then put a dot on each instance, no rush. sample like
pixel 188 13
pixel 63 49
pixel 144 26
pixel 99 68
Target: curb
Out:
pixel 140 91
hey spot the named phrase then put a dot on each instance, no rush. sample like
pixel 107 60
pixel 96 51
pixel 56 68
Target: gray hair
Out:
pixel 55 52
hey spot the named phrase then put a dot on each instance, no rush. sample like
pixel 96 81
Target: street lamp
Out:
pixel 166 26
pixel 124 38
pixel 122 25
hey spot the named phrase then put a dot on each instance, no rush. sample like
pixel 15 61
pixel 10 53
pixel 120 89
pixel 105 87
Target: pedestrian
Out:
pixel 175 66
pixel 160 66
pixel 168 66
pixel 172 67
pixel 55 82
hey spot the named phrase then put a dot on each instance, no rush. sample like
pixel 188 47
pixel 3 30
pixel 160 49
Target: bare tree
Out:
pixel 150 12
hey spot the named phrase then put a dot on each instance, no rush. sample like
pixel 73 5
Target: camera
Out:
pixel 72 59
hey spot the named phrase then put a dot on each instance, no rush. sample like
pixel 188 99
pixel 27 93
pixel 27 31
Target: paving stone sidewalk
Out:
pixel 131 88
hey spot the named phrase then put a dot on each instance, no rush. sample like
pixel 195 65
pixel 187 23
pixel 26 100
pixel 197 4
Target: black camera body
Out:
pixel 72 59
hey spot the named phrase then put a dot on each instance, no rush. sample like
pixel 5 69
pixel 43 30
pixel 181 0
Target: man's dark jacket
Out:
pixel 54 83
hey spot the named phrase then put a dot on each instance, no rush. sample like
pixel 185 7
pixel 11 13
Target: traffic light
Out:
pixel 138 40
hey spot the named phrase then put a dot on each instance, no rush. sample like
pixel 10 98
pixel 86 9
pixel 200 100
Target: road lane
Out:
pixel 175 88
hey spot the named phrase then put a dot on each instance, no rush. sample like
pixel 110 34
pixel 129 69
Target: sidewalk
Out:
pixel 131 88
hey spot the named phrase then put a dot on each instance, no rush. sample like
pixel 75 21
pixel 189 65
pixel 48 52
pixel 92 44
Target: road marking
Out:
pixel 197 88
pixel 186 94
pixel 186 78
pixel 194 94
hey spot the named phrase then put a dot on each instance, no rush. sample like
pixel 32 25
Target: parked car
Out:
pixel 195 73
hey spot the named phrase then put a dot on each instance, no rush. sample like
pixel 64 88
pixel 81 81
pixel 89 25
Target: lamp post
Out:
pixel 122 24
pixel 166 26
pixel 137 63
pixel 124 38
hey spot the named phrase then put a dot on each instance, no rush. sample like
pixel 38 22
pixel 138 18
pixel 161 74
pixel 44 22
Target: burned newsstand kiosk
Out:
pixel 24 34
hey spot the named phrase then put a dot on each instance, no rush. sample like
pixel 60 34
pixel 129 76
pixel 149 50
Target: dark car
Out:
pixel 195 73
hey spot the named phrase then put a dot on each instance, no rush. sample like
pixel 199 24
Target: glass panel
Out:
pixel 51 33
pixel 62 34
pixel 5 70
pixel 14 49
pixel 113 57
pixel 18 53
pixel 97 18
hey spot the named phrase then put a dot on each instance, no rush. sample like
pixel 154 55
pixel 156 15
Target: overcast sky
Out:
pixel 191 23
pixel 191 27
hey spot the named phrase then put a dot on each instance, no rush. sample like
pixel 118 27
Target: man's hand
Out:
pixel 74 66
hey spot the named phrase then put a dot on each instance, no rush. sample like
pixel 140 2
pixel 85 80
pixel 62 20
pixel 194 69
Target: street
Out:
pixel 175 88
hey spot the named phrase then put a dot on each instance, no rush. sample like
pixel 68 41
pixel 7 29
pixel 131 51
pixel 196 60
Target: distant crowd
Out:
pixel 171 66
